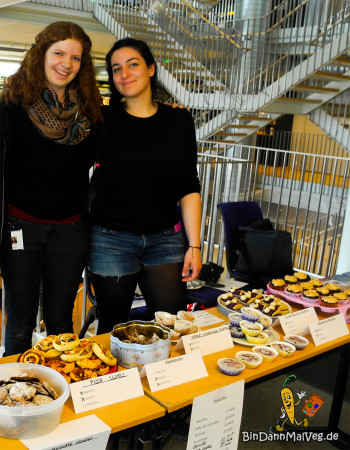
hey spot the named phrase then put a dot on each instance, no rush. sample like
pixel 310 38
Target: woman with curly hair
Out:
pixel 49 109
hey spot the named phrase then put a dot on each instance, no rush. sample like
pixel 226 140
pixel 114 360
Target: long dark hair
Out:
pixel 24 87
pixel 142 48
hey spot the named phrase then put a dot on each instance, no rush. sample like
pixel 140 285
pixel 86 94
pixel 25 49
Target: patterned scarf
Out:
pixel 64 125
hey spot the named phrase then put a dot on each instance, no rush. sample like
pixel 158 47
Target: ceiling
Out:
pixel 20 22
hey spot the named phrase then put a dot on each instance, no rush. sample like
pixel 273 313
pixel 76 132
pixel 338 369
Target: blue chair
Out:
pixel 235 215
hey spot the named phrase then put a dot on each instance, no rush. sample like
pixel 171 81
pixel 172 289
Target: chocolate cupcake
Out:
pixel 333 288
pixel 322 291
pixel 310 296
pixel 277 284
pixel 301 276
pixel 342 298
pixel 295 290
pixel 316 282
pixel 290 279
pixel 329 301
pixel 306 285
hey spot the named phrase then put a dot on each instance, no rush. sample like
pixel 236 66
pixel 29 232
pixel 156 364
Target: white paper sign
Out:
pixel 204 319
pixel 216 419
pixel 105 390
pixel 88 433
pixel 298 322
pixel 171 372
pixel 327 330
pixel 208 341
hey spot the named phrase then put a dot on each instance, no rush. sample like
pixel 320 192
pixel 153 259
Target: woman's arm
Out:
pixel 191 216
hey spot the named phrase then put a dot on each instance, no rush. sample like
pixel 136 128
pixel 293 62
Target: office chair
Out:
pixel 235 215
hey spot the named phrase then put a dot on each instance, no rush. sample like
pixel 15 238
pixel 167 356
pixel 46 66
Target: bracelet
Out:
pixel 192 246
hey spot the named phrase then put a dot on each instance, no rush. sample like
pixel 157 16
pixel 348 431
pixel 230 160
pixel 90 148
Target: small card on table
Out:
pixel 208 341
pixel 105 390
pixel 171 372
pixel 204 319
pixel 327 330
pixel 298 322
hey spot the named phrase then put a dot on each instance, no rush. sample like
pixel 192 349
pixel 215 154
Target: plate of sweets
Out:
pixel 180 324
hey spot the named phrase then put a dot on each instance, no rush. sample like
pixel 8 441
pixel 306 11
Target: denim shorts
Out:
pixel 118 253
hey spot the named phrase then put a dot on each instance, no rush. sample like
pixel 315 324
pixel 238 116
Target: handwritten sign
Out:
pixel 171 372
pixel 327 330
pixel 106 390
pixel 298 322
pixel 205 319
pixel 216 419
pixel 88 433
pixel 209 341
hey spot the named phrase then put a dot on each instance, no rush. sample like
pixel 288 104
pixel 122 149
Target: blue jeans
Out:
pixel 54 256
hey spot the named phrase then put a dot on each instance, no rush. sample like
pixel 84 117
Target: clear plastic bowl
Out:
pixel 34 421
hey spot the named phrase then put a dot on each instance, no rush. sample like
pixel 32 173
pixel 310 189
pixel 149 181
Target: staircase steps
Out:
pixel 320 75
pixel 299 100
pixel 309 88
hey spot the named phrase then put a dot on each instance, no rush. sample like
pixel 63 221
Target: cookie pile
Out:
pixel 75 359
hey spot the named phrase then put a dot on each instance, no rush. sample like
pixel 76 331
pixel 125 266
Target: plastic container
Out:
pixel 34 421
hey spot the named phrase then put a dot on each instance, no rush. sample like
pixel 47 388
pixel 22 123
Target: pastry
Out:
pixel 182 326
pixel 65 341
pixel 231 366
pixel 79 374
pixel 249 359
pixel 290 279
pixel 45 346
pixel 342 298
pixel 278 284
pixel 322 291
pixel 32 356
pixel 251 314
pixel 333 288
pixel 306 285
pixel 250 328
pixel 77 354
pixel 301 276
pixel 60 366
pixel 316 282
pixel 260 338
pixel 90 363
pixel 102 369
pixel 329 301
pixel 104 354
pixel 299 342
pixel 186 315
pixel 295 290
pixel 268 354
pixel 311 296
pixel 284 348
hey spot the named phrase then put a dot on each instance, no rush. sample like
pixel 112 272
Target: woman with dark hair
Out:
pixel 147 164
pixel 48 109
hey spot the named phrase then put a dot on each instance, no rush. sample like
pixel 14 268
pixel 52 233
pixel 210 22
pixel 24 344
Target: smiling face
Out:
pixel 131 75
pixel 62 63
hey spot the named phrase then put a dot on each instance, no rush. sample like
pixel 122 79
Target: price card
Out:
pixel 88 433
pixel 105 390
pixel 209 341
pixel 171 372
pixel 204 319
pixel 298 322
pixel 327 330
pixel 216 418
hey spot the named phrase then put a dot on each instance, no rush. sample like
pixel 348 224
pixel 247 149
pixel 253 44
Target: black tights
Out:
pixel 161 287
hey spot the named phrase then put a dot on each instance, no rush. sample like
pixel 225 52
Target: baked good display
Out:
pixel 45 346
pixel 301 276
pixel 185 315
pixel 316 282
pixel 104 354
pixel 290 279
pixel 32 356
pixel 310 296
pixel 284 349
pixel 342 298
pixel 306 285
pixel 249 359
pixel 278 284
pixel 333 288
pixel 329 301
pixel 231 366
pixel 295 290
pixel 165 318
pixel 268 354
pixel 251 314
pixel 179 324
pixel 250 328
pixel 322 291
pixel 65 341
pixel 235 318
pixel 299 342
pixel 259 339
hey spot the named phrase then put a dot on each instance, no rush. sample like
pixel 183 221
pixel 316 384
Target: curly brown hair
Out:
pixel 24 87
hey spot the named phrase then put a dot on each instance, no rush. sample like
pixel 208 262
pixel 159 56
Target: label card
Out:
pixel 204 319
pixel 105 390
pixel 216 418
pixel 298 322
pixel 171 372
pixel 17 240
pixel 209 341
pixel 327 330
pixel 88 433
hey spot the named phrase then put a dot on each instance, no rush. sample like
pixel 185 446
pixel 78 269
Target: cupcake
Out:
pixel 342 298
pixel 306 285
pixel 265 321
pixel 347 292
pixel 230 366
pixel 235 318
pixel 284 349
pixel 294 290
pixel 290 279
pixel 259 339
pixel 249 359
pixel 236 331
pixel 268 354
pixel 250 328
pixel 316 282
pixel 299 342
pixel 322 291
pixel 301 276
pixel 277 284
pixel 310 296
pixel 333 288
pixel 329 301
pixel 251 314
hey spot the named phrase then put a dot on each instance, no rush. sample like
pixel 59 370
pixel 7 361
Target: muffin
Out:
pixel 342 298
pixel 230 366
pixel 251 314
pixel 284 348
pixel 250 328
pixel 322 291
pixel 236 331
pixel 235 318
pixel 333 288
pixel 329 301
pixel 277 284
pixel 306 285
pixel 259 339
pixel 301 276
pixel 316 282
pixel 295 290
pixel 249 359
pixel 299 342
pixel 347 292
pixel 290 279
pixel 265 321
pixel 268 354
pixel 310 296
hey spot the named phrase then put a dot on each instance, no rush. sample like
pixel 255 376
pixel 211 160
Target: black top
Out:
pixel 147 166
pixel 43 178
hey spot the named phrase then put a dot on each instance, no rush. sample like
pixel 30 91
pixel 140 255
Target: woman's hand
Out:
pixel 193 260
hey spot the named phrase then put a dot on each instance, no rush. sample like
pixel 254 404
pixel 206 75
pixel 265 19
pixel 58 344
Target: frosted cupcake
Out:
pixel 301 276
pixel 316 282
pixel 250 328
pixel 249 359
pixel 295 290
pixel 268 354
pixel 333 288
pixel 310 296
pixel 329 301
pixel 290 279
pixel 259 339
pixel 306 285
pixel 342 298
pixel 322 291
pixel 277 284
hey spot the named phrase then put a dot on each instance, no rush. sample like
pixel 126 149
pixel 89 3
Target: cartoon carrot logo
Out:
pixel 289 404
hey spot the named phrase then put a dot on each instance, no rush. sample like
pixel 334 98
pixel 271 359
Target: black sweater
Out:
pixel 43 178
pixel 147 166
